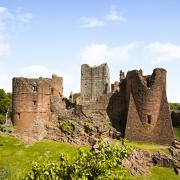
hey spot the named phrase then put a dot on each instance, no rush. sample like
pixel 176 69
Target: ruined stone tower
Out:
pixel 148 116
pixel 95 81
pixel 34 100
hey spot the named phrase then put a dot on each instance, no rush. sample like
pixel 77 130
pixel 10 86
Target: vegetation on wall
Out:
pixel 66 126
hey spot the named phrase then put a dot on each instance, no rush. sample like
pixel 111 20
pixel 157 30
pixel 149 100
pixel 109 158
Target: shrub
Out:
pixel 88 127
pixel 67 126
pixel 105 163
pixel 4 128
pixel 2 119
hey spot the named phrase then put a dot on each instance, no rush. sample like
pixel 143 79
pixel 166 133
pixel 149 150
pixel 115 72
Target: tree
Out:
pixel 5 103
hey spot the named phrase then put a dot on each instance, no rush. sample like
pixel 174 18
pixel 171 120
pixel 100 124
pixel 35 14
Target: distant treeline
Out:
pixel 5 105
pixel 174 106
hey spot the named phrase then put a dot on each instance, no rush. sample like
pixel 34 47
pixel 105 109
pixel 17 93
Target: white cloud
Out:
pixel 137 52
pixel 5 82
pixel 36 71
pixel 4 49
pixel 4 17
pixel 8 21
pixel 161 52
pixel 98 53
pixel 92 22
pixel 23 19
pixel 114 16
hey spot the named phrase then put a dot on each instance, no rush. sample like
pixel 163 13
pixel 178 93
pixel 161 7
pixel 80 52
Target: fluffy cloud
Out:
pixel 9 20
pixel 5 82
pixel 98 53
pixel 22 18
pixel 36 71
pixel 92 22
pixel 161 52
pixel 4 46
pixel 114 16
pixel 139 52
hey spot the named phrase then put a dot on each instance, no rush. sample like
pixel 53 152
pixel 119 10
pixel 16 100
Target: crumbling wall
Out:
pixel 148 116
pixel 117 108
pixel 34 100
pixel 95 82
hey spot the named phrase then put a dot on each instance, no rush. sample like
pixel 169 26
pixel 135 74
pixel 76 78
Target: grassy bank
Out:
pixel 158 173
pixel 149 146
pixel 16 157
pixel 177 132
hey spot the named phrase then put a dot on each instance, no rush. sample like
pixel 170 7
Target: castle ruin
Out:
pixel 95 81
pixel 34 101
pixel 148 116
pixel 136 105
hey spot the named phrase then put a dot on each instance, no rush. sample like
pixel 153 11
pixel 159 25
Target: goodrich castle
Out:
pixel 136 105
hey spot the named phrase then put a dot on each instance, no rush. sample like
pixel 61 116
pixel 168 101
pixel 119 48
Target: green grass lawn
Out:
pixel 17 157
pixel 177 132
pixel 148 146
pixel 158 173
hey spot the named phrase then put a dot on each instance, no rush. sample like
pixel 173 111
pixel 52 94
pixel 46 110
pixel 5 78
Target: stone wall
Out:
pixel 148 116
pixel 34 100
pixel 137 105
pixel 95 82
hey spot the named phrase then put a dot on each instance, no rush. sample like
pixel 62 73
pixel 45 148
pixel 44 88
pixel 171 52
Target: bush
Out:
pixel 67 127
pixel 4 128
pixel 5 103
pixel 2 119
pixel 105 163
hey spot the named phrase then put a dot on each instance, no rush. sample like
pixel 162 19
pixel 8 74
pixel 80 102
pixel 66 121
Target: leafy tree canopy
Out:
pixel 174 106
pixel 5 104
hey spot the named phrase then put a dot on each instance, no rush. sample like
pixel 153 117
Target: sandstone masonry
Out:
pixel 34 100
pixel 136 106
pixel 95 81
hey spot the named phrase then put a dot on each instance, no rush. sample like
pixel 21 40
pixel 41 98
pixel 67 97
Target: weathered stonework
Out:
pixel 95 82
pixel 136 107
pixel 34 101
pixel 148 116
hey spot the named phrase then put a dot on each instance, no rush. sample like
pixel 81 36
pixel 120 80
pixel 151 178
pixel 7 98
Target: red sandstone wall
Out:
pixel 32 100
pixel 148 116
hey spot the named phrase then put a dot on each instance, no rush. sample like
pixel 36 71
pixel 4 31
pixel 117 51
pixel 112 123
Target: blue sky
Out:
pixel 38 38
